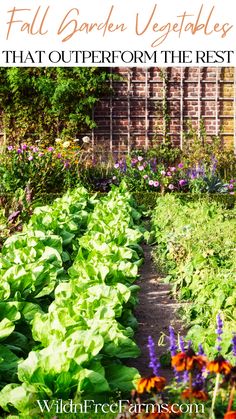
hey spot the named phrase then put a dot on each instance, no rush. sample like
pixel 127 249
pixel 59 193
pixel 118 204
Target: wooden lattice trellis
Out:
pixel 134 109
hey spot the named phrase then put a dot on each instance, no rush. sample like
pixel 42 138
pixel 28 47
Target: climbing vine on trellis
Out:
pixel 45 103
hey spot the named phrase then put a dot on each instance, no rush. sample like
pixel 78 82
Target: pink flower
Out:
pixel 40 154
pixel 30 158
pixel 35 149
pixel 171 186
pixel 145 176
pixel 172 169
pixel 168 174
pixel 116 166
pixel 50 149
pixel 59 156
pixel 10 148
pixel 163 172
pixel 156 183
pixel 180 165
pixel 24 146
pixel 182 182
pixel 151 183
pixel 140 158
pixel 140 168
pixel 231 186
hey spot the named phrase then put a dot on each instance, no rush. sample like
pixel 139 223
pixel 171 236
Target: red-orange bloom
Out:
pixel 194 394
pixel 219 366
pixel 188 361
pixel 150 384
pixel 230 415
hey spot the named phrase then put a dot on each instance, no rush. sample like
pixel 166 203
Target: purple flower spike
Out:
pixel 219 331
pixel 200 350
pixel 181 344
pixel 173 345
pixel 154 364
pixel 234 345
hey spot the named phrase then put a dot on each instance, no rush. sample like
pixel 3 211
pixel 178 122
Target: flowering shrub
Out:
pixel 146 174
pixel 45 169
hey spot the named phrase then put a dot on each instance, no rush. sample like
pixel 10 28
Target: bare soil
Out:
pixel 156 310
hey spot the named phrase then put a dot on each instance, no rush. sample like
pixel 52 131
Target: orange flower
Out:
pixel 230 415
pixel 219 365
pixel 188 361
pixel 195 393
pixel 150 383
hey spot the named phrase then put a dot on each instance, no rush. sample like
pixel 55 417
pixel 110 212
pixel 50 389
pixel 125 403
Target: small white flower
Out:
pixel 86 139
pixel 58 140
pixel 66 144
pixel 76 140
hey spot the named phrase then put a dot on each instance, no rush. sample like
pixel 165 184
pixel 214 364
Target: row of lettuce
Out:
pixel 67 297
pixel 196 246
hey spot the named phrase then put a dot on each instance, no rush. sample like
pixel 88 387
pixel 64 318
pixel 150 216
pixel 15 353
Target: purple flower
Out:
pixel 172 169
pixel 10 148
pixel 59 156
pixel 24 146
pixel 182 344
pixel 134 162
pixel 231 186
pixel 156 183
pixel 173 345
pixel 40 154
pixel 30 158
pixel 232 181
pixel 19 151
pixel 154 165
pixel 171 186
pixel 200 350
pixel 234 345
pixel 116 166
pixel 35 149
pixel 140 168
pixel 50 149
pixel 154 364
pixel 219 331
pixel 168 174
pixel 180 165
pixel 151 182
pixel 182 182
pixel 66 164
pixel 140 158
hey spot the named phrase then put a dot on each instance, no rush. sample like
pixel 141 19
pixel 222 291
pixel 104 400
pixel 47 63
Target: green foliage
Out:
pixel 45 103
pixel 149 199
pixel 197 247
pixel 68 280
pixel 198 149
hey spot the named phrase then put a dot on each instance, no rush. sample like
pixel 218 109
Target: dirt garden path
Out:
pixel 155 311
